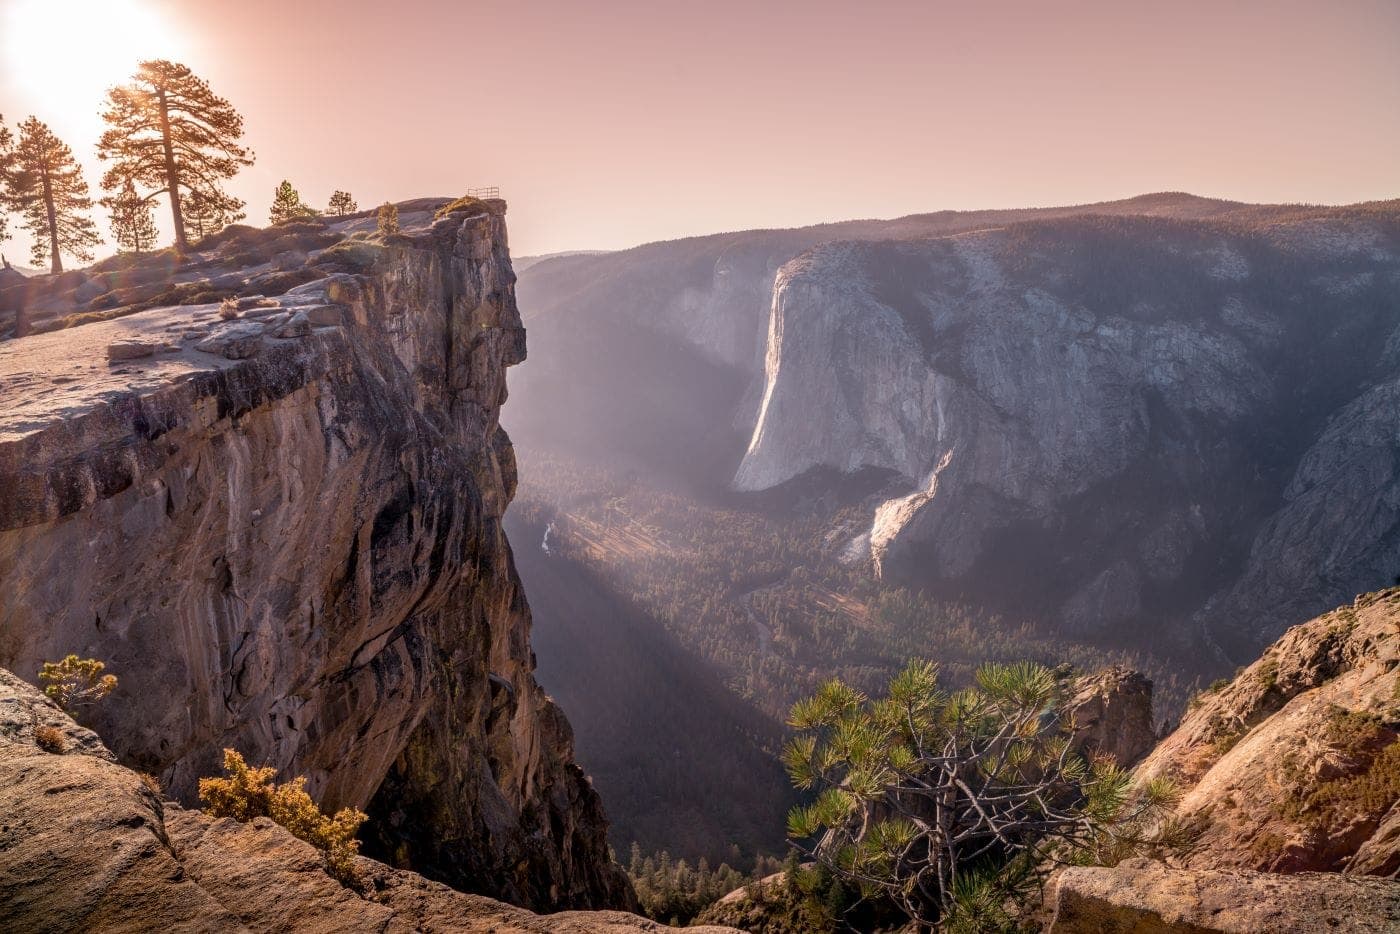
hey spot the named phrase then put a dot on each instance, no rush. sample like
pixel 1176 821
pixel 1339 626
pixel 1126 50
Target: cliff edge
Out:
pixel 278 520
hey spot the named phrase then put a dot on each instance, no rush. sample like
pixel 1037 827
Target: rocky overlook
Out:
pixel 1294 765
pixel 278 519
pixel 89 845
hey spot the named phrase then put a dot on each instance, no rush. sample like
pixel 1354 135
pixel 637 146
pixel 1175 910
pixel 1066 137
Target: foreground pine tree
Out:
pixel 133 227
pixel 168 132
pixel 342 204
pixel 953 804
pixel 287 205
pixel 46 187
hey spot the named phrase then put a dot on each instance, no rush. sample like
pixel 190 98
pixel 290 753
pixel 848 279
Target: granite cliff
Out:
pixel 278 520
pixel 1188 425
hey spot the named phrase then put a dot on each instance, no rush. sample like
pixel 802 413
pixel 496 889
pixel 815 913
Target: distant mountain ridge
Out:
pixel 1147 407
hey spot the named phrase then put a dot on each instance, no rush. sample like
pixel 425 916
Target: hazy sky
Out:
pixel 608 124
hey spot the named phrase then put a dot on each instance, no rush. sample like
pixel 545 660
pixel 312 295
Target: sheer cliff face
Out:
pixel 1107 421
pixel 291 545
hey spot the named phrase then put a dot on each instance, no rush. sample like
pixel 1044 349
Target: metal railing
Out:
pixel 484 193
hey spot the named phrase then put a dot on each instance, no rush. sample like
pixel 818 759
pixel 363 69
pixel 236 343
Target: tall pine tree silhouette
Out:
pixel 168 132
pixel 46 187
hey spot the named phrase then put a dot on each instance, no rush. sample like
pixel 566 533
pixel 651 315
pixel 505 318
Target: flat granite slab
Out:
pixel 59 375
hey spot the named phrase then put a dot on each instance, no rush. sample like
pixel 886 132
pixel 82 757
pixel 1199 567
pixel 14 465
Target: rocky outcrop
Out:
pixel 87 844
pixel 1154 421
pixel 1110 713
pixel 1145 897
pixel 282 531
pixel 1295 764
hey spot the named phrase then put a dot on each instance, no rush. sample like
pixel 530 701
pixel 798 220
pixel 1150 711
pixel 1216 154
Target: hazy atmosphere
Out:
pixel 613 124
pixel 742 468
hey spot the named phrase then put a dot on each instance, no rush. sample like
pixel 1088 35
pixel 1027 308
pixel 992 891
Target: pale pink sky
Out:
pixel 608 124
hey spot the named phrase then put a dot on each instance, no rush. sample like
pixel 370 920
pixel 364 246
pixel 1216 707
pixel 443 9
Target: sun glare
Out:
pixel 60 56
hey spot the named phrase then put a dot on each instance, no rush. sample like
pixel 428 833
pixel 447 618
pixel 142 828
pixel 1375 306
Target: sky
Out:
pixel 609 123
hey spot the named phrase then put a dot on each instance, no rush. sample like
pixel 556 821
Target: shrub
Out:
pixel 358 255
pixel 388 219
pixel 76 682
pixel 248 793
pixel 49 739
pixel 464 203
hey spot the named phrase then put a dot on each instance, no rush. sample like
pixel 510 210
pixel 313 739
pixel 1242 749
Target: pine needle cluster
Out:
pixel 954 805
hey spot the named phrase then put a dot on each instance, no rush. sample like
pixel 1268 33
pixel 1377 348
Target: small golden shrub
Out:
pixel 388 218
pixel 248 793
pixel 49 739
pixel 76 682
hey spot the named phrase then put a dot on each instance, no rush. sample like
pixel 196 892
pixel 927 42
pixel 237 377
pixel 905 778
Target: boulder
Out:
pixel 235 342
pixel 1145 897
pixel 130 349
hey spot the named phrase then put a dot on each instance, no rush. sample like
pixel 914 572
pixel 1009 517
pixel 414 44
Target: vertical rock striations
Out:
pixel 291 544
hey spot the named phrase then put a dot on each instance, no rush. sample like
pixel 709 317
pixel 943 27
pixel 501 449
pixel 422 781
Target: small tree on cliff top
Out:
pixel 287 205
pixel 133 227
pixel 342 204
pixel 953 804
pixel 208 212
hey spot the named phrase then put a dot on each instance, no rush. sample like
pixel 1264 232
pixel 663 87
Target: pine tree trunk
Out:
pixel 172 177
pixel 56 262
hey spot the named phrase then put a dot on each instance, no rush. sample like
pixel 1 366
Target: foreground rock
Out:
pixel 1145 897
pixel 89 845
pixel 1110 712
pixel 1295 764
pixel 285 537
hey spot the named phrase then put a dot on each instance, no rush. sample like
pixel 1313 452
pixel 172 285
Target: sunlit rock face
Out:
pixel 1291 765
pixel 1108 422
pixel 283 533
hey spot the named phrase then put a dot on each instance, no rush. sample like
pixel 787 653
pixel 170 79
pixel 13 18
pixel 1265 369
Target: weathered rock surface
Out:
pixel 86 844
pixel 1145 897
pixel 293 547
pixel 1111 713
pixel 1295 764
pixel 1156 421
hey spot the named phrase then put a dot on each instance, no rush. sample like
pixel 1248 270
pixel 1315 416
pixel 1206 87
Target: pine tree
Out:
pixel 287 205
pixel 342 204
pixel 133 227
pixel 169 132
pixel 6 142
pixel 208 212
pixel 47 188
